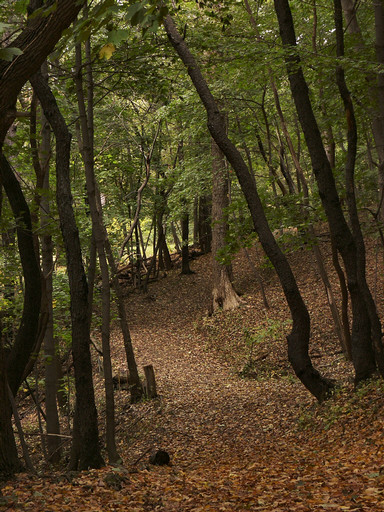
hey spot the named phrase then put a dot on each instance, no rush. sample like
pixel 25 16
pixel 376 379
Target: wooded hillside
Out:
pixel 143 140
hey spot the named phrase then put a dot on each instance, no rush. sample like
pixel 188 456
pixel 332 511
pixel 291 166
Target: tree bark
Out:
pixel 99 235
pixel 375 82
pixel 205 230
pixel 9 461
pixel 350 189
pixel 185 267
pixel 150 382
pixel 41 159
pixel 85 448
pixel 27 333
pixel 298 339
pixel 224 295
pixel 36 41
pixel 362 351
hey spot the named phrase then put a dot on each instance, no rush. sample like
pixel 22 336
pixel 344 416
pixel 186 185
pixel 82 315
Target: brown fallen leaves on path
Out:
pixel 236 444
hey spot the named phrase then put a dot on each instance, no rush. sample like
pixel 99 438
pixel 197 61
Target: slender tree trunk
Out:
pixel 350 189
pixel 185 267
pixel 344 300
pixel 362 352
pixel 205 230
pixel 298 339
pixel 165 262
pixel 196 222
pixel 375 83
pixel 85 448
pixel 378 121
pixel 176 240
pixel 105 254
pixel 41 158
pixel 51 384
pixel 99 234
pixel 91 276
pixel 302 183
pixel 341 333
pixel 27 334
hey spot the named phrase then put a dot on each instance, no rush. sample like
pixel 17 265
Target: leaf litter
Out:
pixel 236 443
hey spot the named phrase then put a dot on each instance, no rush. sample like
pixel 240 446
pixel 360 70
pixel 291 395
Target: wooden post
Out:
pixel 150 382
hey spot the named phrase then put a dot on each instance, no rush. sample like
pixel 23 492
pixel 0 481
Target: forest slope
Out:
pixel 236 443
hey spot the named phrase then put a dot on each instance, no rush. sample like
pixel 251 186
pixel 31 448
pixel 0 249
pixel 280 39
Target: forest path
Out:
pixel 207 408
pixel 235 444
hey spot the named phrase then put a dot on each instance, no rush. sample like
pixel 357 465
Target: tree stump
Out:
pixel 150 382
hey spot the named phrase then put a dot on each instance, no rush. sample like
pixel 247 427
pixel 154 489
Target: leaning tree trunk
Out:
pixel 298 339
pixel 375 82
pixel 341 330
pixel 85 448
pixel 362 351
pixel 13 370
pixel 27 333
pixel 350 189
pixel 9 461
pixel 224 295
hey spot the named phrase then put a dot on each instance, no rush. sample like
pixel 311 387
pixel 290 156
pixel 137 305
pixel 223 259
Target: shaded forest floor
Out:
pixel 236 443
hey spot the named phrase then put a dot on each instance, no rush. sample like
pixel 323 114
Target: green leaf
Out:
pixel 8 53
pixel 117 36
pixel 133 9
pixel 44 12
pixel 21 6
pixel 3 26
pixel 138 17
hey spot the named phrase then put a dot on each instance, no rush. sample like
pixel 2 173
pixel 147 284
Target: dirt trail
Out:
pixel 236 444
pixel 205 403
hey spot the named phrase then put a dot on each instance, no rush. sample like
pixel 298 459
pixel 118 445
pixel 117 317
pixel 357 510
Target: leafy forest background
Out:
pixel 134 130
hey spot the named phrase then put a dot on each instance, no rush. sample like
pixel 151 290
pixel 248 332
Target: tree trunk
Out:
pixel 350 189
pixel 27 333
pixel 195 222
pixel 176 240
pixel 302 183
pixel 205 230
pixel 223 294
pixel 106 258
pixel 378 121
pixel 165 262
pixel 99 235
pixel 36 41
pixel 362 352
pixel 150 382
pixel 91 275
pixel 85 449
pixel 375 83
pixel 51 384
pixel 185 268
pixel 298 339
pixel 9 461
